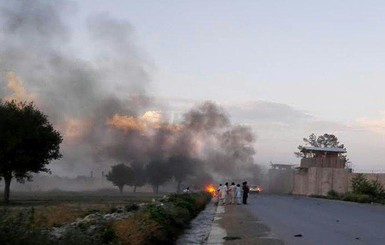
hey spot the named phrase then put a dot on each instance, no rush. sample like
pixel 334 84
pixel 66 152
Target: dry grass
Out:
pixel 58 208
pixel 138 230
pixel 57 215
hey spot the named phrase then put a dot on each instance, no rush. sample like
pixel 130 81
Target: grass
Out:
pixel 160 222
pixel 56 208
pixel 53 197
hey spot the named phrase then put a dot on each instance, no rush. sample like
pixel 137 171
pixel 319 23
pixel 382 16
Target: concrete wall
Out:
pixel 319 181
pixel 301 180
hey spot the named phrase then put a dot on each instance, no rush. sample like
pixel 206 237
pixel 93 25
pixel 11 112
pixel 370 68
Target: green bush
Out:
pixel 18 229
pixel 174 214
pixel 373 188
pixel 132 207
pixel 361 198
pixel 332 194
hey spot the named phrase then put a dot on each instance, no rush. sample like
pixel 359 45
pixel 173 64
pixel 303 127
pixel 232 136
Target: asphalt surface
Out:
pixel 303 220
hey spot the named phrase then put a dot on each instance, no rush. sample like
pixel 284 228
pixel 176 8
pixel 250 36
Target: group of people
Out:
pixel 232 194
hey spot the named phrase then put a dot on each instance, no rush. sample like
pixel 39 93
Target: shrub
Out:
pixel 138 229
pixel 378 191
pixel 361 198
pixel 161 223
pixel 360 185
pixel 132 207
pixel 333 194
pixel 373 188
pixel 18 229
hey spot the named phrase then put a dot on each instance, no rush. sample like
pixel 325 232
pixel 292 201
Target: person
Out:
pixel 187 190
pixel 226 193
pixel 232 193
pixel 220 194
pixel 238 194
pixel 246 190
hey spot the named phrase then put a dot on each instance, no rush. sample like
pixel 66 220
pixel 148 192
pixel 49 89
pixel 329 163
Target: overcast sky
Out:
pixel 285 68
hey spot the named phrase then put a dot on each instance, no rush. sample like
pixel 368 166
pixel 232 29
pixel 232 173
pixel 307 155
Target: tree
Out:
pixel 181 167
pixel 138 174
pixel 28 142
pixel 158 172
pixel 325 140
pixel 120 175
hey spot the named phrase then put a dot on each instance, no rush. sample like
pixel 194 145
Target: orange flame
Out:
pixel 211 189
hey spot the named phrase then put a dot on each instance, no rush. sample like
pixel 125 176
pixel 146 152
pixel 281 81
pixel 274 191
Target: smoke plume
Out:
pixel 98 101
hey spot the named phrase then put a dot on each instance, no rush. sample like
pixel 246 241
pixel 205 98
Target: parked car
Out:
pixel 255 189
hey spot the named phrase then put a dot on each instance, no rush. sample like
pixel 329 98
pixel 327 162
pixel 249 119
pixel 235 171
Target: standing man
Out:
pixel 221 194
pixel 232 193
pixel 226 193
pixel 238 194
pixel 246 190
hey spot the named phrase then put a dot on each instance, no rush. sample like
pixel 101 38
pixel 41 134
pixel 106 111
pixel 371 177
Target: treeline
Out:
pixel 157 172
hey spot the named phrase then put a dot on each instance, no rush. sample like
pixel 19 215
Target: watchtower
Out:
pixel 323 157
pixel 322 169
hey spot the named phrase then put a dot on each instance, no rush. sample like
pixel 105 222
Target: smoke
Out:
pixel 99 103
pixel 77 94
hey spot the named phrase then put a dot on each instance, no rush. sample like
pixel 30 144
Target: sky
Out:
pixel 285 68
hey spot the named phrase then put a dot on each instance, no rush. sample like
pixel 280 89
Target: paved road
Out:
pixel 320 221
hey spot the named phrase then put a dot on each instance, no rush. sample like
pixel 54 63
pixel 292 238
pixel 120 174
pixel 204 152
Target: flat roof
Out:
pixel 323 149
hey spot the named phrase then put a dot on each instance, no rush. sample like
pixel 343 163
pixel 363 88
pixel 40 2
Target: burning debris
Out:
pixel 100 105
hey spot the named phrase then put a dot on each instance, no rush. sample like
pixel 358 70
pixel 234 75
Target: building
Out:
pixel 322 169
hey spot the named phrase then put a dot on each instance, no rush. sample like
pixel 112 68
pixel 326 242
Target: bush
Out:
pixel 361 198
pixel 373 188
pixel 18 229
pixel 138 229
pixel 161 223
pixel 332 194
pixel 132 207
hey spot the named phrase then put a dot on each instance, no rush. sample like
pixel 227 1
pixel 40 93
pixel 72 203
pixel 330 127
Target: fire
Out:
pixel 211 189
pixel 16 85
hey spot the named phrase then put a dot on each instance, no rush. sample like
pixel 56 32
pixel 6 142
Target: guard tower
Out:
pixel 322 169
pixel 323 157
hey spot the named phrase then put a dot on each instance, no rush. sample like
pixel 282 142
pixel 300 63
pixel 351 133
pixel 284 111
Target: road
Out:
pixel 319 221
